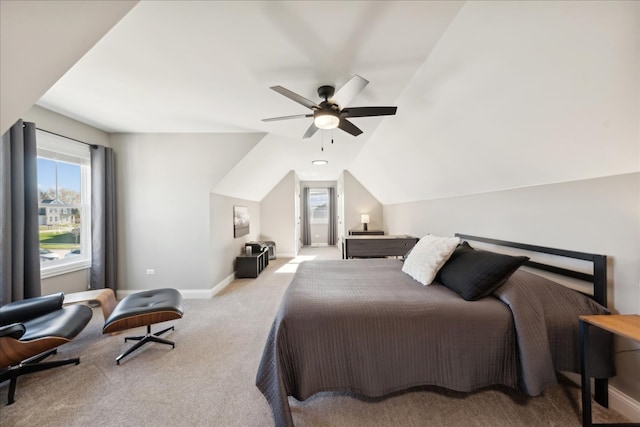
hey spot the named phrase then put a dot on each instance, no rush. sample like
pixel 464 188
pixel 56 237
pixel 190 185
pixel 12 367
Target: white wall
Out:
pixel 598 215
pixel 357 200
pixel 76 281
pixel 164 183
pixel 279 218
pixel 57 123
pixel 260 168
pixel 224 246
pixel 515 94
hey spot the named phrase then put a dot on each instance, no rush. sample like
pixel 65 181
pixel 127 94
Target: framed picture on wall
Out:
pixel 240 221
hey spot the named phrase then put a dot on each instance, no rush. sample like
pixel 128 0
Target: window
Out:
pixel 319 206
pixel 64 209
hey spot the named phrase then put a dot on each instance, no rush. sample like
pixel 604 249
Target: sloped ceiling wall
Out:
pixel 515 94
pixel 39 43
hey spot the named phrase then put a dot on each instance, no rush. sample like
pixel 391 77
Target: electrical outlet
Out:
pixel 151 271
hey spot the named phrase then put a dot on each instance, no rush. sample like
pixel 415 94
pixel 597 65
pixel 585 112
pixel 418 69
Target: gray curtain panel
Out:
pixel 103 219
pixel 306 224
pixel 19 237
pixel 332 216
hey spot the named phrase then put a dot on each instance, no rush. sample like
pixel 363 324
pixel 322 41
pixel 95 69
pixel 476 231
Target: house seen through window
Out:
pixel 63 204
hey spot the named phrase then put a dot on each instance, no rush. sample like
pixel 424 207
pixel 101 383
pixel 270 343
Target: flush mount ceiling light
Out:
pixel 320 162
pixel 325 119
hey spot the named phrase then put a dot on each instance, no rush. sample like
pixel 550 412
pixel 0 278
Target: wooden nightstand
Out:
pixel 377 246
pixel 625 325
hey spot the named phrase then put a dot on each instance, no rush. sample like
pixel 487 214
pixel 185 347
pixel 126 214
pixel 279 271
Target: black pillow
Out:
pixel 474 274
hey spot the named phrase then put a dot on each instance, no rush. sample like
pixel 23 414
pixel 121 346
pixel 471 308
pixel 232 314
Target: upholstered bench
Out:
pixel 144 309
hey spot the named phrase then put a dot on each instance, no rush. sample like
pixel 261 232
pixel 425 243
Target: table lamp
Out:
pixel 364 219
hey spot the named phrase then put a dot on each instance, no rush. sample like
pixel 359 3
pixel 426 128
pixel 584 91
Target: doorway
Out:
pixel 318 222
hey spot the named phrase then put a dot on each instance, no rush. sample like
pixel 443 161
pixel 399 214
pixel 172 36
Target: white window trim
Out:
pixel 312 219
pixel 64 268
pixel 63 149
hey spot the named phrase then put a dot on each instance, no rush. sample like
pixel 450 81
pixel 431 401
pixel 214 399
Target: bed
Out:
pixel 367 327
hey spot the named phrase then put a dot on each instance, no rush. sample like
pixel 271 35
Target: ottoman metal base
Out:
pixel 143 339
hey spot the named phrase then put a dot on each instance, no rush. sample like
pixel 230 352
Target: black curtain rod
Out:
pixel 95 146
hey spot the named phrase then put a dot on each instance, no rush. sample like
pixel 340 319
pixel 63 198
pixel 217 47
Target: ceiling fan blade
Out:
pixel 350 90
pixel 297 116
pixel 311 131
pixel 349 127
pixel 368 111
pixel 295 97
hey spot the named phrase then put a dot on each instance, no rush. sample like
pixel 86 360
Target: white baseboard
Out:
pixel 625 405
pixel 286 255
pixel 187 293
pixel 618 401
pixel 223 284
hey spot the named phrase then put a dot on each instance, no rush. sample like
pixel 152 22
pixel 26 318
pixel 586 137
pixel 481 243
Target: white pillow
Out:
pixel 428 256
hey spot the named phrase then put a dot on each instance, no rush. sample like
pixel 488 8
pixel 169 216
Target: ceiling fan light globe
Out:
pixel 325 120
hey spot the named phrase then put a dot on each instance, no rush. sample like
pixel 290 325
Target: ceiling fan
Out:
pixel 330 113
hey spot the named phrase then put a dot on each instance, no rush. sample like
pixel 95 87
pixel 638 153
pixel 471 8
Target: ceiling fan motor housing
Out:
pixel 326 92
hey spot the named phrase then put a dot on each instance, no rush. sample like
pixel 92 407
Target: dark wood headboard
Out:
pixel 598 279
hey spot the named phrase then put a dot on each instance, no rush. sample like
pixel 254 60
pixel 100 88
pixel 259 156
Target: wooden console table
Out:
pixel 627 326
pixel 377 246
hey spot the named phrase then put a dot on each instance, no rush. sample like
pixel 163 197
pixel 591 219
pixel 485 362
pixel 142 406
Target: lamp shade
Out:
pixel 364 219
pixel 325 119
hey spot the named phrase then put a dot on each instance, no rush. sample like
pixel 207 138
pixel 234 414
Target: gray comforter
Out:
pixel 365 326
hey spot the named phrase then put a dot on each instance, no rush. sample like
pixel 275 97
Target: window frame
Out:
pixel 312 207
pixel 58 148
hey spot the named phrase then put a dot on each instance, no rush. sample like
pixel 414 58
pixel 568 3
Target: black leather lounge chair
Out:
pixel 31 330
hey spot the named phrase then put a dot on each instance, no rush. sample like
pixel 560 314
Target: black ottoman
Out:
pixel 144 309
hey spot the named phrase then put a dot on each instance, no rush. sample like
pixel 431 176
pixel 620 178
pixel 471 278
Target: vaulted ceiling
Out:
pixel 477 85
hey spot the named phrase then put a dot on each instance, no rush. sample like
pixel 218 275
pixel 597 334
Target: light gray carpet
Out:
pixel 208 379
